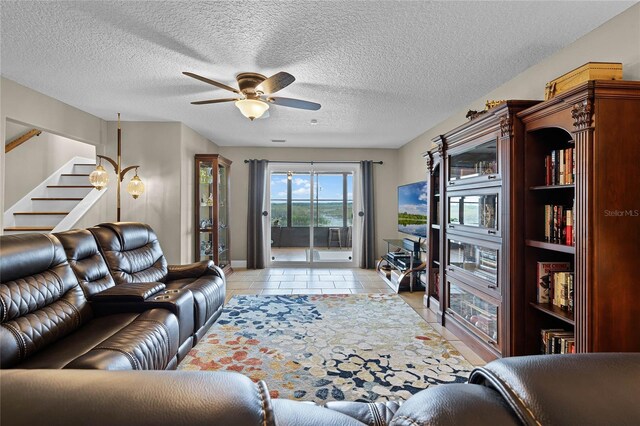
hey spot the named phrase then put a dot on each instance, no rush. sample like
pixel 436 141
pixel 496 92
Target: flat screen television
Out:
pixel 413 209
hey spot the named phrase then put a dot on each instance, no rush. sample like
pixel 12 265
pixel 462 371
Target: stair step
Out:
pixel 37 213
pixel 29 228
pixel 74 174
pixel 68 190
pixel 57 204
pixel 84 164
pixel 69 186
pixel 55 199
pixel 39 218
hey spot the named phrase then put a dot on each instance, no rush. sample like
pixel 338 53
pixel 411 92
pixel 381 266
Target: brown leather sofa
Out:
pixel 101 298
pixel 133 255
pixel 94 277
pixel 47 322
pixel 582 389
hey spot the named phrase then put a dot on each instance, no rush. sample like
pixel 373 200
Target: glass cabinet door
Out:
pixel 212 240
pixel 205 210
pixel 478 163
pixel 223 217
pixel 474 259
pixel 479 314
pixel 474 211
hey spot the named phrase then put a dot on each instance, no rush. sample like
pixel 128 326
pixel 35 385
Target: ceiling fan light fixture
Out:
pixel 252 108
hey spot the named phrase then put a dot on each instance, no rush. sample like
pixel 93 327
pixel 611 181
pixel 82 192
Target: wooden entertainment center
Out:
pixel 488 188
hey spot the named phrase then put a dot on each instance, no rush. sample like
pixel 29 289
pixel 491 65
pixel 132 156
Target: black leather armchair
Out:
pixel 583 389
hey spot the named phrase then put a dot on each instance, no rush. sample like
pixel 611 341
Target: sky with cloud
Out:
pixel 412 198
pixel 329 186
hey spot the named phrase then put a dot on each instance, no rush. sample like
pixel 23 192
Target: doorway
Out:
pixel 310 214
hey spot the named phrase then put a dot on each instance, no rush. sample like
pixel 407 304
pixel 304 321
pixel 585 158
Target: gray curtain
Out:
pixel 255 231
pixel 368 247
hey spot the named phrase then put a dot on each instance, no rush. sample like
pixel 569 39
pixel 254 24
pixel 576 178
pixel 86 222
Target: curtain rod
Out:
pixel 316 162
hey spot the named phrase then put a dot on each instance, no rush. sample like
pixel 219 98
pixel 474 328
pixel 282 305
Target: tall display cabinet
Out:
pixel 475 238
pixel 212 238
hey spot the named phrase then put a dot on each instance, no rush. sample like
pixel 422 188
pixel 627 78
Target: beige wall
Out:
pixel 192 144
pixel 35 160
pixel 618 40
pixel 26 106
pixel 384 181
pixel 155 147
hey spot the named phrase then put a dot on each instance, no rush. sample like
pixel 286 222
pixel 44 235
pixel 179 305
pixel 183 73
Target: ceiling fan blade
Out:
pixel 212 82
pixel 295 103
pixel 214 101
pixel 276 82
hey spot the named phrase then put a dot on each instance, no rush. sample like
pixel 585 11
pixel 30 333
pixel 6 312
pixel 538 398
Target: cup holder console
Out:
pixel 163 297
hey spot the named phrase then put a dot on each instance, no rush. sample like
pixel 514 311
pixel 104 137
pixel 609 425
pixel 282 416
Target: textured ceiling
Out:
pixel 384 72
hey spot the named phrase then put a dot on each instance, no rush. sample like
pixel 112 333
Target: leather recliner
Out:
pixel 133 254
pixel 46 321
pixel 580 389
pixel 100 289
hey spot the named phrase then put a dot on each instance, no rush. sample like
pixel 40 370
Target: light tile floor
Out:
pixel 334 281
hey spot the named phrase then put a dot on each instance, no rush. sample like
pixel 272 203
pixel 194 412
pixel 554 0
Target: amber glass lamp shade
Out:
pixel 99 178
pixel 135 187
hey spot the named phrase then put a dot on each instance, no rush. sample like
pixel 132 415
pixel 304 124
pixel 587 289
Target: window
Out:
pixel 332 199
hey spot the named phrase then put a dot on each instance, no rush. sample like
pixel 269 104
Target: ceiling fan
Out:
pixel 254 93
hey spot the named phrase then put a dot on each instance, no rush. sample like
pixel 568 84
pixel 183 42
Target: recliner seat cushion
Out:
pixel 115 342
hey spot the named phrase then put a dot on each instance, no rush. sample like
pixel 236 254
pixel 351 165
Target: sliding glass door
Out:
pixel 311 214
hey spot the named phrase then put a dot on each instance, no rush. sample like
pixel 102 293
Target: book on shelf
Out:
pixel 557 341
pixel 562 284
pixel 558 224
pixel 560 167
pixel 545 279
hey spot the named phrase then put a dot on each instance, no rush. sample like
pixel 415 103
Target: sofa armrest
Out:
pixel 596 388
pixel 134 292
pixel 194 270
pixel 33 397
pixel 455 404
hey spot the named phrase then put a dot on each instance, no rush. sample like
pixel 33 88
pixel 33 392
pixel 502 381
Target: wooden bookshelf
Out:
pixel 603 198
pixel 551 246
pixel 554 311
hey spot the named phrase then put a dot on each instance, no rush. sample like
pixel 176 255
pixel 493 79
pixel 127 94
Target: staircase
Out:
pixel 57 203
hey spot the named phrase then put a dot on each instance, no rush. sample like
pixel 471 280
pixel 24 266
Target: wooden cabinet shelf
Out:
pixel 554 311
pixel 551 187
pixel 551 246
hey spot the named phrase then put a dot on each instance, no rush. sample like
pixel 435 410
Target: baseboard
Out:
pixel 240 264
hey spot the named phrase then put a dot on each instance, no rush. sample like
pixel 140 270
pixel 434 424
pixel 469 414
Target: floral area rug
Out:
pixel 360 347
